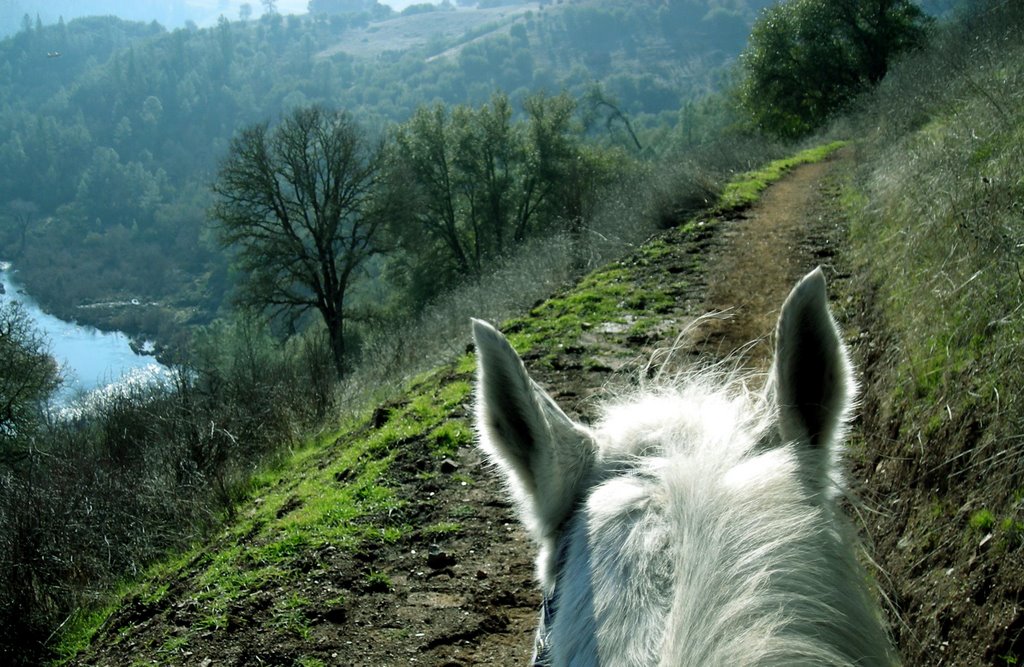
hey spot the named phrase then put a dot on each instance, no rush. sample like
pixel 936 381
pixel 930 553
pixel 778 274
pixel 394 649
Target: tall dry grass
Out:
pixel 937 228
pixel 940 221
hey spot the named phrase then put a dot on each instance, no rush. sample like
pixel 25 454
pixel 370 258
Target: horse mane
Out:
pixel 697 521
pixel 753 579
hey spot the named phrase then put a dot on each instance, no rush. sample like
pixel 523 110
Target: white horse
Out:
pixel 695 524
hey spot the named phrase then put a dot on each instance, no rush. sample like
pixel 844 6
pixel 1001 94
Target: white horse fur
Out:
pixel 694 524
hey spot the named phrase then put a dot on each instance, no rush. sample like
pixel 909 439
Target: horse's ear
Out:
pixel 812 377
pixel 542 452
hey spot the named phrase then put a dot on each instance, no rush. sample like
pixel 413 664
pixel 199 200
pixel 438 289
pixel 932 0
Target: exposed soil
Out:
pixel 762 255
pixel 469 598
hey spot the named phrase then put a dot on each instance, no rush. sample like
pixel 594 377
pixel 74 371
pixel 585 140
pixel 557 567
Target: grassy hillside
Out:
pixel 427 32
pixel 937 232
pixel 343 514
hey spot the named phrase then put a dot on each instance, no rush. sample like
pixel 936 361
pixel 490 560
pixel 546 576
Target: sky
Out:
pixel 170 13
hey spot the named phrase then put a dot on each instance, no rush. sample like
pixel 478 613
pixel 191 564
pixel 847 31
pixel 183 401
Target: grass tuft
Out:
pixel 982 521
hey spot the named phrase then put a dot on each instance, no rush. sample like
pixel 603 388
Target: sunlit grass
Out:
pixel 746 189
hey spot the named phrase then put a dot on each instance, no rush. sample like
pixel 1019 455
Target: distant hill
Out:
pixel 148 112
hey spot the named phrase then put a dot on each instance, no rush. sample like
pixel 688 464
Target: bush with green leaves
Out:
pixel 28 375
pixel 477 183
pixel 807 59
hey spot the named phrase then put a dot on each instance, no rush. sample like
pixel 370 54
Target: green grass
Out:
pixel 443 529
pixel 446 439
pixel 80 630
pixel 1011 533
pixel 747 189
pixel 982 521
pixel 310 662
pixel 291 616
pixel 379 581
pixel 171 649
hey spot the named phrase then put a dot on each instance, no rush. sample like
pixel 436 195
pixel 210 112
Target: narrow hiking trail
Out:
pixel 762 255
pixel 467 596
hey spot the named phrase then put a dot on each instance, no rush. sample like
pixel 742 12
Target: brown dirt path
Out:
pixel 469 598
pixel 763 253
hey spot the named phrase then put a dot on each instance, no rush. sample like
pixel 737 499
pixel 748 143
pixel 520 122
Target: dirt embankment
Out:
pixel 466 596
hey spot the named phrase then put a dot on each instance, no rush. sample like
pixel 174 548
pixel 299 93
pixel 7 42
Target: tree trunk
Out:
pixel 336 331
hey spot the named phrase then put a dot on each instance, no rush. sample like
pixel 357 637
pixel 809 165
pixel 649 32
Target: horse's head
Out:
pixel 694 524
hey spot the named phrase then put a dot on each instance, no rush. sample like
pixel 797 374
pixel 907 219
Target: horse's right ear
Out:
pixel 812 377
pixel 542 452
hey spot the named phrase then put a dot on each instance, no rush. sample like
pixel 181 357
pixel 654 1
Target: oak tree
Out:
pixel 806 59
pixel 297 202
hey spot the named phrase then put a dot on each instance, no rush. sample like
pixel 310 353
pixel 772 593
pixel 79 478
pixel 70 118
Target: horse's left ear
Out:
pixel 543 453
pixel 811 375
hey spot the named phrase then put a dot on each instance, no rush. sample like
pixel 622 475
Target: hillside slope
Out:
pixel 392 543
pixel 107 152
pixel 419 31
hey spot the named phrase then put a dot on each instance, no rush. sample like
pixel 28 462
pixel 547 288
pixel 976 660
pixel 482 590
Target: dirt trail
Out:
pixel 762 255
pixel 469 598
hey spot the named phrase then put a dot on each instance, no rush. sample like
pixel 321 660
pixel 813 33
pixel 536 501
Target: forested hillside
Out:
pixel 112 131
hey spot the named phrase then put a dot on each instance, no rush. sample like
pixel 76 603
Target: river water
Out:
pixel 90 359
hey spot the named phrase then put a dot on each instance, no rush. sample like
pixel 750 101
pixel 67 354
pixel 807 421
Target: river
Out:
pixel 89 359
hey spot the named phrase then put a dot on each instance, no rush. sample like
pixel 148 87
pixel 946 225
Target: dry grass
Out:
pixel 942 214
pixel 937 225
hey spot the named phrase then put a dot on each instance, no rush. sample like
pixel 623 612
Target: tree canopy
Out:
pixel 806 59
pixel 478 183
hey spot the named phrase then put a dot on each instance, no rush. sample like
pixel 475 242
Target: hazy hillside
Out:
pixel 171 14
pixel 149 113
pixel 428 30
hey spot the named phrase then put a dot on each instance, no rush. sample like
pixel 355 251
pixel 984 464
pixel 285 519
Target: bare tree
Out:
pixel 298 203
pixel 596 99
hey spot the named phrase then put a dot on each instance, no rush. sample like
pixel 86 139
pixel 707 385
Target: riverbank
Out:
pixel 89 357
